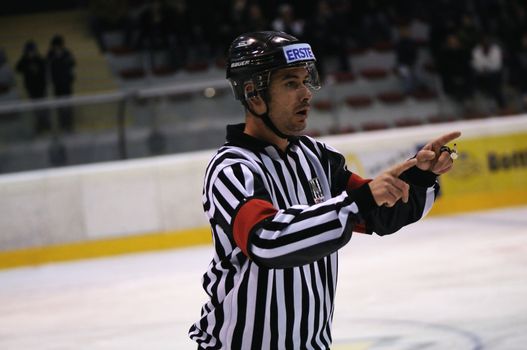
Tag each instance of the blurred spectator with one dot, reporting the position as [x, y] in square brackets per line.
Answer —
[468, 32]
[287, 22]
[328, 38]
[406, 51]
[132, 24]
[375, 25]
[518, 69]
[487, 65]
[33, 68]
[440, 28]
[200, 18]
[255, 20]
[7, 76]
[155, 25]
[219, 28]
[107, 15]
[181, 41]
[454, 69]
[513, 24]
[61, 63]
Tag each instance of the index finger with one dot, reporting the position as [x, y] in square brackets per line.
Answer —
[398, 169]
[446, 138]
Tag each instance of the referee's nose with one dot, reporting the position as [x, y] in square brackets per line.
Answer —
[306, 93]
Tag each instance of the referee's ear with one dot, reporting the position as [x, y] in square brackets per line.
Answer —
[253, 99]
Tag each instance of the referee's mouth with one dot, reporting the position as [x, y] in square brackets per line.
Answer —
[302, 112]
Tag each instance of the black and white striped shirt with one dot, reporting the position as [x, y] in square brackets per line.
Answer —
[278, 219]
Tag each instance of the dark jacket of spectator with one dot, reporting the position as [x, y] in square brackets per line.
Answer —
[61, 63]
[454, 69]
[33, 68]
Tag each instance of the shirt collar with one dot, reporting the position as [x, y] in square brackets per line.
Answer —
[236, 137]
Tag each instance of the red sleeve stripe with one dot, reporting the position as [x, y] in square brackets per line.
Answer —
[360, 228]
[251, 213]
[355, 181]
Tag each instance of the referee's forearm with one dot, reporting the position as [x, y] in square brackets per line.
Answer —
[304, 234]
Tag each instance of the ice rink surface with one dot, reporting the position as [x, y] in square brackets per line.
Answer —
[456, 282]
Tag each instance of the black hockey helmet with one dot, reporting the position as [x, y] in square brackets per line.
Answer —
[254, 56]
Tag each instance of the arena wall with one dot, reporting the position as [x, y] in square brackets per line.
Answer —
[155, 203]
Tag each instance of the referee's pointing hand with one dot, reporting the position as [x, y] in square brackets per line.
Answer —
[387, 188]
[432, 159]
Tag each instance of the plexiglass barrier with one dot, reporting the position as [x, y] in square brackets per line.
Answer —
[114, 126]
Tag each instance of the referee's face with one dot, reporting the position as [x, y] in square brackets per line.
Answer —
[289, 100]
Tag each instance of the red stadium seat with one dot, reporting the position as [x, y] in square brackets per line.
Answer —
[221, 63]
[323, 105]
[383, 46]
[357, 50]
[132, 73]
[374, 73]
[359, 101]
[163, 70]
[508, 111]
[121, 50]
[474, 115]
[424, 95]
[374, 125]
[391, 97]
[342, 130]
[344, 77]
[403, 122]
[196, 67]
[439, 118]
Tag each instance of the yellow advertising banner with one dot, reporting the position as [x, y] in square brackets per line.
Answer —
[490, 172]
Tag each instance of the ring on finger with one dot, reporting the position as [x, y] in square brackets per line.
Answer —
[451, 151]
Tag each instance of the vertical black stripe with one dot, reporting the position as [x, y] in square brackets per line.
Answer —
[237, 336]
[219, 319]
[315, 308]
[289, 297]
[305, 308]
[323, 279]
[214, 287]
[304, 181]
[219, 217]
[238, 173]
[220, 249]
[259, 312]
[310, 144]
[291, 175]
[273, 316]
[216, 161]
[229, 275]
[276, 193]
[280, 176]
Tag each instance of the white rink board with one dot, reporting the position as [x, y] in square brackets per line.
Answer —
[164, 193]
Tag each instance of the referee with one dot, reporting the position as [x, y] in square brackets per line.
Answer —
[280, 205]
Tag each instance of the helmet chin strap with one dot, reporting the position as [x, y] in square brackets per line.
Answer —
[267, 119]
